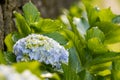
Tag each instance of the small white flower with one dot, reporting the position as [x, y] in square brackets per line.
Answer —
[41, 48]
[29, 76]
[9, 73]
[47, 75]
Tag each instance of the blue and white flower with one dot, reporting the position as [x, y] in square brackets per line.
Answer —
[41, 48]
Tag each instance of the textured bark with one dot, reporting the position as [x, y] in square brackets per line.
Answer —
[48, 8]
[8, 8]
[1, 29]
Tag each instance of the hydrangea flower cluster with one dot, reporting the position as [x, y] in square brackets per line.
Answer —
[41, 48]
[9, 73]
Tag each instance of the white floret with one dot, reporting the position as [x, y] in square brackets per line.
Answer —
[9, 73]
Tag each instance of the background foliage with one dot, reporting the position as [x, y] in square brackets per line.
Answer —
[90, 34]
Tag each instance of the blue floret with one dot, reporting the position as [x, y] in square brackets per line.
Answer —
[41, 48]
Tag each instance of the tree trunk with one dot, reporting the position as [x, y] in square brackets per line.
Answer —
[48, 8]
[1, 29]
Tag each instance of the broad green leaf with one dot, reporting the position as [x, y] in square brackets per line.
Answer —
[112, 35]
[102, 58]
[116, 19]
[74, 66]
[116, 65]
[79, 43]
[92, 13]
[115, 75]
[105, 72]
[108, 77]
[47, 26]
[81, 25]
[69, 74]
[116, 70]
[111, 31]
[115, 47]
[9, 42]
[21, 24]
[96, 15]
[78, 25]
[10, 57]
[95, 32]
[101, 69]
[96, 46]
[72, 36]
[32, 66]
[95, 38]
[31, 13]
[106, 15]
[58, 37]
[85, 75]
[74, 61]
[113, 39]
[16, 36]
[69, 44]
[107, 27]
[2, 58]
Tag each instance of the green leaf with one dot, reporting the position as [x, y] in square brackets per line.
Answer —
[58, 37]
[69, 74]
[2, 58]
[107, 27]
[108, 77]
[9, 42]
[47, 26]
[111, 31]
[116, 65]
[32, 66]
[92, 13]
[112, 35]
[22, 26]
[106, 15]
[73, 67]
[95, 38]
[116, 19]
[77, 42]
[96, 15]
[31, 13]
[101, 68]
[102, 58]
[115, 75]
[116, 70]
[10, 57]
[74, 61]
[16, 36]
[82, 25]
[95, 32]
[85, 75]
[114, 47]
[104, 72]
[96, 46]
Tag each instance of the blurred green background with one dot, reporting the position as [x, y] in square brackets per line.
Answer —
[113, 4]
